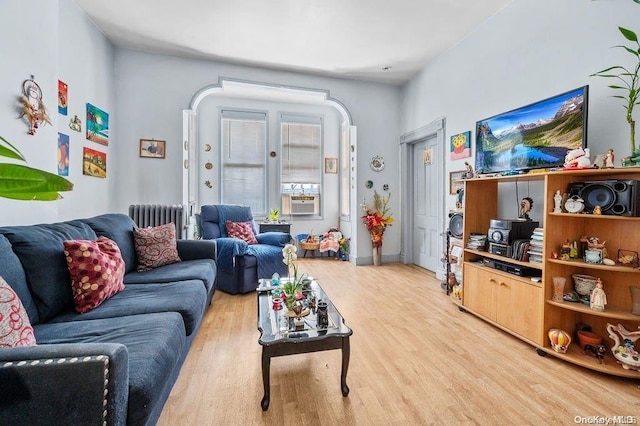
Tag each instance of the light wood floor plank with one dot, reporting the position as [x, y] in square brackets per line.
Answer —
[415, 359]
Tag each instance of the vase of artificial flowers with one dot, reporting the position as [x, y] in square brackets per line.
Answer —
[377, 218]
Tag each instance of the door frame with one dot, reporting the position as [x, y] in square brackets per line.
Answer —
[407, 141]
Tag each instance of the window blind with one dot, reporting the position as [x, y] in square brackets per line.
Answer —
[243, 159]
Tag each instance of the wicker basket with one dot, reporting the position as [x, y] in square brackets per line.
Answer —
[307, 245]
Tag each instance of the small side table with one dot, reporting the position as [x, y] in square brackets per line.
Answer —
[274, 227]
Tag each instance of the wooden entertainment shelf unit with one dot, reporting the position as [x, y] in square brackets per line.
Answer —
[525, 308]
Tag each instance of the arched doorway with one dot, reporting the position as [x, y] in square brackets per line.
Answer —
[276, 93]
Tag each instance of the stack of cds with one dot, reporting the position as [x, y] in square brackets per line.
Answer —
[477, 241]
[535, 246]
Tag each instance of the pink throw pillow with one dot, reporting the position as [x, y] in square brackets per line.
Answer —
[241, 230]
[15, 327]
[156, 246]
[96, 269]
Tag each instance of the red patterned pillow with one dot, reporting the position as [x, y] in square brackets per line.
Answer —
[15, 328]
[96, 269]
[241, 230]
[156, 246]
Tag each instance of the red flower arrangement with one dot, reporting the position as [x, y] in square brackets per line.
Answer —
[377, 218]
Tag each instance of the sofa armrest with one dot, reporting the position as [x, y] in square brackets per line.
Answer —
[75, 383]
[196, 249]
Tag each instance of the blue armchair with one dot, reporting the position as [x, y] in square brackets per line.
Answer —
[240, 264]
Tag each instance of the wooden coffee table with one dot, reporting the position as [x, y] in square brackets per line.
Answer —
[308, 338]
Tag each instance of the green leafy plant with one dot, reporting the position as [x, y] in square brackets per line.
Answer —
[629, 80]
[20, 182]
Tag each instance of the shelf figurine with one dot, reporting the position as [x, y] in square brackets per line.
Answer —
[598, 297]
[608, 160]
[469, 173]
[557, 202]
[525, 207]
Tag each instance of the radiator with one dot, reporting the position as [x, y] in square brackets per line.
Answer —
[145, 215]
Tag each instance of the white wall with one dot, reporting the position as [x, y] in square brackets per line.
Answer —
[152, 91]
[53, 39]
[527, 52]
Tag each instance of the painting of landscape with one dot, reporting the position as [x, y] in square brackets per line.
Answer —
[534, 136]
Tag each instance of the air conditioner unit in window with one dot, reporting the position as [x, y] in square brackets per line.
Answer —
[305, 204]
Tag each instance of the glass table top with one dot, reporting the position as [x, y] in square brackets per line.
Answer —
[275, 326]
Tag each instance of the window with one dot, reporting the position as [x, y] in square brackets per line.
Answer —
[243, 159]
[301, 159]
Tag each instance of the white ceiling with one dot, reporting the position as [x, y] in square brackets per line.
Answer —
[340, 38]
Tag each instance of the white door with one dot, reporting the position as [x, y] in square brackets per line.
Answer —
[427, 200]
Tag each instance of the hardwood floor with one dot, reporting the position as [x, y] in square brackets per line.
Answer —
[415, 359]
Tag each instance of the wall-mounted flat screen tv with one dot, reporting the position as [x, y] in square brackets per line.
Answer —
[533, 136]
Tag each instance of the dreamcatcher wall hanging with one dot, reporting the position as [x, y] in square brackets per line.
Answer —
[33, 110]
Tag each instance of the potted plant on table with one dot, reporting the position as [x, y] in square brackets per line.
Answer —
[628, 83]
[292, 287]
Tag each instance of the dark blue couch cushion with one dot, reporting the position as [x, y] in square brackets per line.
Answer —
[185, 297]
[41, 252]
[155, 343]
[119, 228]
[201, 269]
[12, 272]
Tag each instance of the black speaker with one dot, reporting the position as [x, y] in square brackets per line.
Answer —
[455, 224]
[615, 197]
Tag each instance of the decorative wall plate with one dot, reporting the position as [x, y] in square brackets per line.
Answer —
[369, 184]
[377, 163]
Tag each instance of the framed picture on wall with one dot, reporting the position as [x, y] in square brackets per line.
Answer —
[151, 148]
[456, 181]
[331, 165]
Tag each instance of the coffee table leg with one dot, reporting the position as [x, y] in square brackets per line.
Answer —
[346, 351]
[266, 366]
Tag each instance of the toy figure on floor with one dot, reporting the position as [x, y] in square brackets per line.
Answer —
[525, 207]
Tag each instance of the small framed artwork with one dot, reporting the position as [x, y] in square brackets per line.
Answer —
[151, 148]
[94, 163]
[461, 146]
[331, 165]
[456, 181]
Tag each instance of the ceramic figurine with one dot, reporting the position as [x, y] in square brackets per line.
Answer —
[624, 350]
[577, 159]
[469, 173]
[608, 161]
[525, 207]
[597, 210]
[598, 297]
[557, 202]
[560, 340]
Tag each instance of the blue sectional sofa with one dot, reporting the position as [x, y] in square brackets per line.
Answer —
[115, 364]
